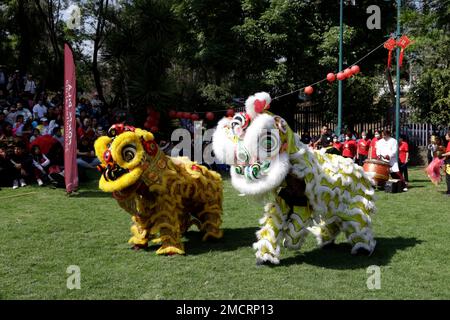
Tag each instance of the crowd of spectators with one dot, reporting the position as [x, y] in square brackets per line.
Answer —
[359, 147]
[32, 131]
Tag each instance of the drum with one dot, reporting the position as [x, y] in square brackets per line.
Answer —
[380, 169]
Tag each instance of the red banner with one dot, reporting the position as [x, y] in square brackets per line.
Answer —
[70, 136]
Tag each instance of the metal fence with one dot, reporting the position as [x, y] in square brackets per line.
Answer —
[307, 119]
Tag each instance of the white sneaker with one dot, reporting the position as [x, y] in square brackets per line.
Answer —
[405, 189]
[22, 183]
[15, 184]
[40, 183]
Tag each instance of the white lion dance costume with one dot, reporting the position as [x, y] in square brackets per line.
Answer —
[306, 191]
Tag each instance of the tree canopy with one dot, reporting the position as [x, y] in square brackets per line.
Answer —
[200, 54]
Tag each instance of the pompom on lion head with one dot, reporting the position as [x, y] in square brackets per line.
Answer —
[124, 155]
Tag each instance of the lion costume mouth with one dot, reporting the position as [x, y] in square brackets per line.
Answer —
[123, 155]
[112, 173]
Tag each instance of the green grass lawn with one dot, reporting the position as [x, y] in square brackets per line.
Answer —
[43, 233]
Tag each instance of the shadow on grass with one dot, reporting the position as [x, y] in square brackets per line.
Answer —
[92, 194]
[233, 239]
[339, 257]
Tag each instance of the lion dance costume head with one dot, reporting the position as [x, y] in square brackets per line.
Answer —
[164, 195]
[307, 191]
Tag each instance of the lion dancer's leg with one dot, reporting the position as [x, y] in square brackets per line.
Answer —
[140, 233]
[326, 231]
[210, 221]
[358, 231]
[166, 222]
[297, 227]
[270, 235]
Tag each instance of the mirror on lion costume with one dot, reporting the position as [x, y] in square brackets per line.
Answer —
[164, 195]
[307, 191]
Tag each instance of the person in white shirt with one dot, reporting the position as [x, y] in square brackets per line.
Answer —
[30, 85]
[387, 150]
[24, 112]
[39, 110]
[11, 115]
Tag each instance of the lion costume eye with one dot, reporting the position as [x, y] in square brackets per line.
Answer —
[269, 143]
[128, 152]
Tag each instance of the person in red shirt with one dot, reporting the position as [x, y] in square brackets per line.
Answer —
[403, 157]
[337, 145]
[349, 147]
[447, 162]
[373, 145]
[363, 149]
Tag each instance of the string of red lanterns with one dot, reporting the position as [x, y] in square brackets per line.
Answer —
[209, 115]
[342, 75]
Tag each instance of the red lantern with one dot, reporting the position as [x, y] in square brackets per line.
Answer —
[348, 73]
[154, 129]
[172, 114]
[195, 117]
[355, 69]
[331, 77]
[309, 90]
[210, 116]
[340, 76]
[186, 115]
[230, 112]
[179, 114]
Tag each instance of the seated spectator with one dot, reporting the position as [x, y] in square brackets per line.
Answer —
[20, 110]
[11, 115]
[39, 110]
[44, 127]
[6, 168]
[86, 155]
[36, 134]
[18, 126]
[57, 134]
[7, 131]
[40, 163]
[2, 122]
[23, 164]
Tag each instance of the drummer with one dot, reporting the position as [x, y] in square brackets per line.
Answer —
[387, 149]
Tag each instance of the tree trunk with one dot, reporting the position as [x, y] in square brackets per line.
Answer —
[97, 44]
[25, 50]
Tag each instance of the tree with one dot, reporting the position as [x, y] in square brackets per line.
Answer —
[139, 48]
[429, 57]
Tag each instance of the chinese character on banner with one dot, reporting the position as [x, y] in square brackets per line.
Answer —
[390, 45]
[403, 43]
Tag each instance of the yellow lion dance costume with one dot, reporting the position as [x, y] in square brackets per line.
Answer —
[164, 195]
[305, 191]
